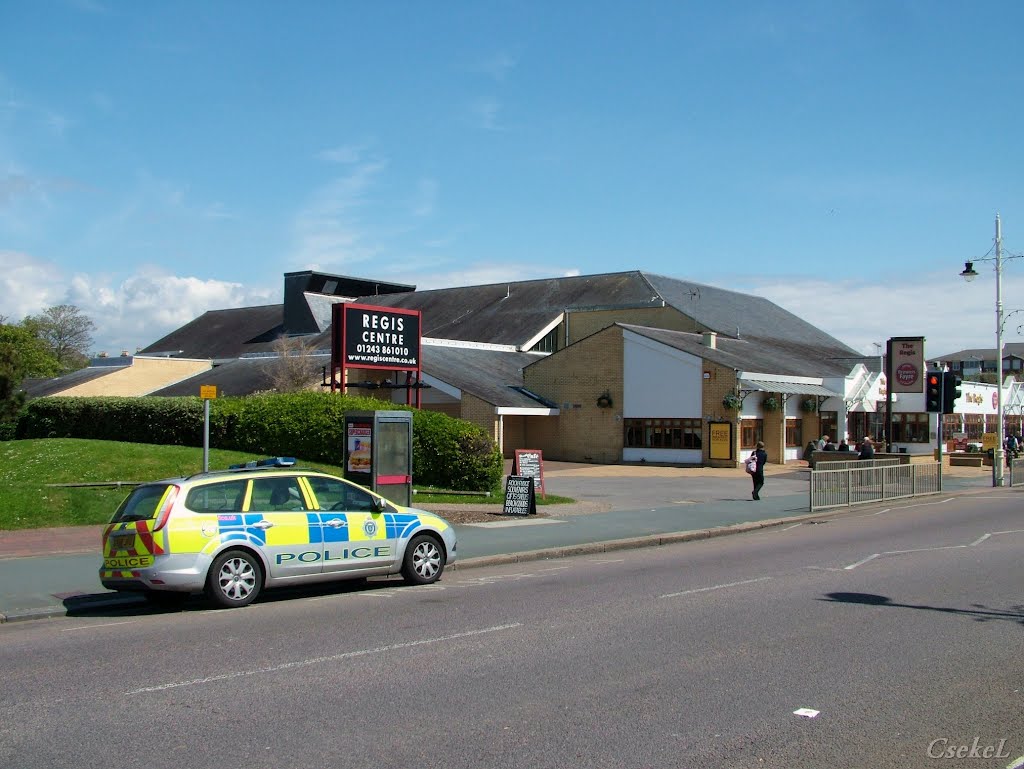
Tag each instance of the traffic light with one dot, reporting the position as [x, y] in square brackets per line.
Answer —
[950, 391]
[933, 392]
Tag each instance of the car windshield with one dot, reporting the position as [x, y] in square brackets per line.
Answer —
[141, 505]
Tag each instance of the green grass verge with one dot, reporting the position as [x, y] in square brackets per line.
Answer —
[27, 501]
[28, 467]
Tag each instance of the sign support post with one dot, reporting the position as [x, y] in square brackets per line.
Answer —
[207, 393]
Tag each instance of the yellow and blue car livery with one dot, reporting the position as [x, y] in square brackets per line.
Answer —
[288, 526]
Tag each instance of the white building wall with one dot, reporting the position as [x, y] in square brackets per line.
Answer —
[660, 382]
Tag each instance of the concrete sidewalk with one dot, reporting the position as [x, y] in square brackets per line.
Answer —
[53, 572]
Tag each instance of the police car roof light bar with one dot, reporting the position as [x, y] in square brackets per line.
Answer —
[268, 462]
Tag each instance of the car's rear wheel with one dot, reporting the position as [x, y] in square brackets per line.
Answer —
[234, 579]
[424, 560]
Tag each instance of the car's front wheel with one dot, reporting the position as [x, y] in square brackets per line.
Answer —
[424, 561]
[234, 579]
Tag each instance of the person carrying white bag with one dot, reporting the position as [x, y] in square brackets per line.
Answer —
[755, 466]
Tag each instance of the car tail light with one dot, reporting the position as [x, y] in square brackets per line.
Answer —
[164, 511]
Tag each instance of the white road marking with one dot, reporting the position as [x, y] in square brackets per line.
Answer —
[806, 712]
[715, 587]
[322, 660]
[976, 542]
[1017, 763]
[105, 624]
[861, 562]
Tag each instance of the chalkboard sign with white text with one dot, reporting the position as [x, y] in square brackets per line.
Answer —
[520, 498]
[530, 462]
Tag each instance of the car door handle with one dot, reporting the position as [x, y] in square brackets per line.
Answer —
[262, 525]
[337, 523]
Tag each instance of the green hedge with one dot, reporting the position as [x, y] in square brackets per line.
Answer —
[447, 453]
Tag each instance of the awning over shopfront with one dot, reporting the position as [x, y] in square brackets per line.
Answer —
[786, 388]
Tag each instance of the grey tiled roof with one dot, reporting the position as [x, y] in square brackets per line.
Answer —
[762, 355]
[223, 334]
[488, 374]
[512, 314]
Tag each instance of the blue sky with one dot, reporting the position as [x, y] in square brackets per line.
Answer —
[158, 159]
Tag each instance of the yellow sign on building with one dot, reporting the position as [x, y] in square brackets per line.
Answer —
[721, 440]
[988, 441]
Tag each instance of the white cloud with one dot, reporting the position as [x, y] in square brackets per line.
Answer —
[133, 312]
[327, 230]
[27, 285]
[425, 198]
[950, 313]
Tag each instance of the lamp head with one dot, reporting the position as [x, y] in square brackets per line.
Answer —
[969, 272]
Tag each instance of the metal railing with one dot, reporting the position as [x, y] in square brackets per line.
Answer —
[868, 481]
[1016, 476]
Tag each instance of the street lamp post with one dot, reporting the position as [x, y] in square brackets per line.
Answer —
[970, 274]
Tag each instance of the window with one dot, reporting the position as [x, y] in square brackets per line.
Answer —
[751, 431]
[549, 343]
[277, 494]
[217, 497]
[910, 428]
[332, 494]
[866, 423]
[829, 426]
[795, 432]
[662, 433]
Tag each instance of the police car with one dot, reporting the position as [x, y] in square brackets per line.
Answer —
[233, 533]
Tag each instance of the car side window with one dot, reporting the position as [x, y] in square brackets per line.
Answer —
[277, 494]
[224, 497]
[336, 495]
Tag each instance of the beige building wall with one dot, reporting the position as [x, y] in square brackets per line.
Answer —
[583, 323]
[718, 382]
[481, 413]
[575, 379]
[143, 376]
[513, 433]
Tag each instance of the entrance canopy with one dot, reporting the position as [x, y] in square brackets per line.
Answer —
[787, 387]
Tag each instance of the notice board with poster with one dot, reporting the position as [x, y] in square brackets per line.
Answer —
[530, 463]
[359, 452]
[520, 497]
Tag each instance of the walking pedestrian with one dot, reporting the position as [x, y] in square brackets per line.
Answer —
[760, 456]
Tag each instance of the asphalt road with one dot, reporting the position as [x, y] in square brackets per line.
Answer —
[882, 638]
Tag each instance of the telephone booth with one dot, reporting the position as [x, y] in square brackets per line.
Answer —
[378, 452]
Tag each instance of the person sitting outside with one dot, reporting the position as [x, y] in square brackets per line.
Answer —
[867, 448]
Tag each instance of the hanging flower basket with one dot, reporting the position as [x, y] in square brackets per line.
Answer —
[733, 402]
[770, 403]
[810, 405]
[604, 400]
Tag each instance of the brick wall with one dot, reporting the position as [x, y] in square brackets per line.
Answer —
[718, 382]
[574, 380]
[586, 322]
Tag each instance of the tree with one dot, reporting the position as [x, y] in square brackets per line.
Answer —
[21, 355]
[26, 354]
[296, 368]
[68, 332]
